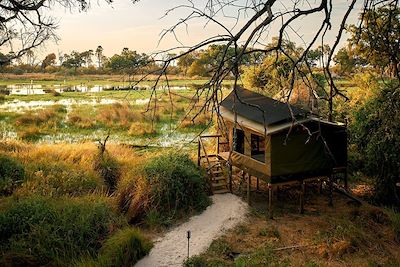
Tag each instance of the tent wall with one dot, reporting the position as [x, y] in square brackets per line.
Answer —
[244, 161]
[297, 153]
[307, 156]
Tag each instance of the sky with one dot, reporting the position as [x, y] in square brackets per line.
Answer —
[138, 26]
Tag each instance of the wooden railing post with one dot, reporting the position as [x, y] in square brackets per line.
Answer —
[198, 152]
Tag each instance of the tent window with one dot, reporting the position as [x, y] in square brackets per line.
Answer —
[258, 147]
[239, 145]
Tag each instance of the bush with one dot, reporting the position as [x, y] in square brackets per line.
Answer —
[11, 174]
[176, 183]
[53, 233]
[375, 133]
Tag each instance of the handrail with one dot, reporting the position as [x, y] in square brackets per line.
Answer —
[205, 151]
[210, 135]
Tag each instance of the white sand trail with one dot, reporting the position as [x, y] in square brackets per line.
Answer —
[171, 250]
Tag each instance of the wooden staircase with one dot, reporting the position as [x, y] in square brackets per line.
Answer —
[214, 165]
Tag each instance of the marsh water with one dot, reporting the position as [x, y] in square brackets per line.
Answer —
[167, 135]
[39, 89]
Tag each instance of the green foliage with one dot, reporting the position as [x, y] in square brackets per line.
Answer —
[375, 133]
[377, 40]
[12, 173]
[54, 232]
[176, 183]
[127, 62]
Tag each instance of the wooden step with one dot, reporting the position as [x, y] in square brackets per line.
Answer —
[221, 191]
[218, 184]
[219, 178]
[217, 171]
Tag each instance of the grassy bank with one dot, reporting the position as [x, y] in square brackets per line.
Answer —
[79, 205]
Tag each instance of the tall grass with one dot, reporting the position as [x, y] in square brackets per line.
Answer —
[121, 115]
[12, 174]
[395, 221]
[125, 248]
[175, 183]
[59, 179]
[53, 232]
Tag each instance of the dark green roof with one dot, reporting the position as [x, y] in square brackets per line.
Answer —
[260, 108]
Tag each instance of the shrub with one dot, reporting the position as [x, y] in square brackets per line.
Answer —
[55, 232]
[375, 133]
[176, 183]
[11, 174]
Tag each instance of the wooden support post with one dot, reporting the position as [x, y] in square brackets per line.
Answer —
[198, 153]
[258, 184]
[319, 186]
[270, 206]
[302, 194]
[249, 189]
[330, 181]
[230, 177]
[217, 145]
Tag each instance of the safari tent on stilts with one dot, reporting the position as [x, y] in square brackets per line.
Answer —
[275, 142]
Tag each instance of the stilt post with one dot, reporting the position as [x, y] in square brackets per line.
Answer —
[270, 206]
[302, 194]
[249, 189]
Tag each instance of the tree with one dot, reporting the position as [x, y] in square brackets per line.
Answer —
[87, 57]
[185, 62]
[375, 131]
[49, 60]
[128, 62]
[377, 41]
[99, 56]
[24, 25]
[74, 60]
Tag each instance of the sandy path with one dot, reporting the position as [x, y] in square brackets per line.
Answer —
[171, 250]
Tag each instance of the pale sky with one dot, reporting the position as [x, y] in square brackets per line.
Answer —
[138, 26]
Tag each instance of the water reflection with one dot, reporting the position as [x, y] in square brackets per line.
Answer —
[38, 89]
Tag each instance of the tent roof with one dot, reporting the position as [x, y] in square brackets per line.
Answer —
[253, 106]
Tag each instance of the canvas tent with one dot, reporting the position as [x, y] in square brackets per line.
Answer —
[276, 142]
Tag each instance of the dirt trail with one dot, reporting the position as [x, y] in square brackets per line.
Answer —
[171, 250]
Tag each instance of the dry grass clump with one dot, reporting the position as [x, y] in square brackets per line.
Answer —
[31, 133]
[81, 121]
[141, 128]
[118, 115]
[48, 116]
[202, 119]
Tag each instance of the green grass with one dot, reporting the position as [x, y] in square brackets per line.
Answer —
[54, 232]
